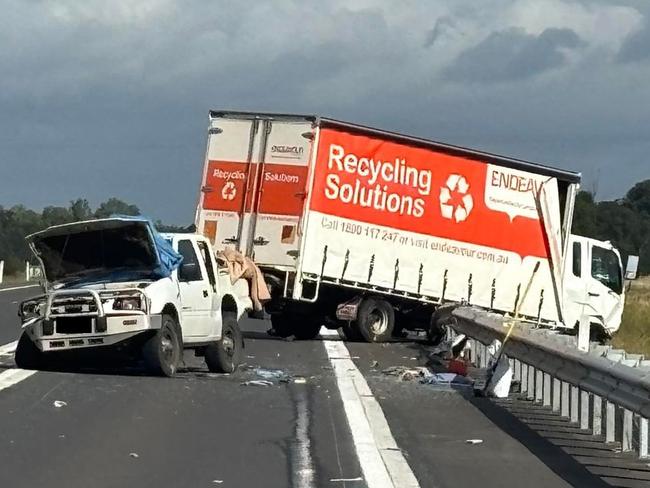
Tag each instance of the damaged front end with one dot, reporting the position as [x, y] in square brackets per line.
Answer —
[70, 319]
[96, 274]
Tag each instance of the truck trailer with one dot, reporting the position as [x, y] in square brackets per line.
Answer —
[373, 231]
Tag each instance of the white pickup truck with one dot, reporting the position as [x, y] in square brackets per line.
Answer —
[117, 283]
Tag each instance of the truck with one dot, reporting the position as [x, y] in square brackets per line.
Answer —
[116, 285]
[374, 232]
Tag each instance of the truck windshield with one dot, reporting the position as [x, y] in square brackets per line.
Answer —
[606, 268]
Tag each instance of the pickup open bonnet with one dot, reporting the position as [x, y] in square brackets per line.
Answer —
[117, 248]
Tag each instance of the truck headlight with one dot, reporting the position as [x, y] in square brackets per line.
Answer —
[128, 303]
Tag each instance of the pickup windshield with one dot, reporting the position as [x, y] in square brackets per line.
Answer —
[97, 251]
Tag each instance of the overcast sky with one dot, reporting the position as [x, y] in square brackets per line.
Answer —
[101, 99]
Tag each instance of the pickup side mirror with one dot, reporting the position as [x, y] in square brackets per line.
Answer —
[189, 272]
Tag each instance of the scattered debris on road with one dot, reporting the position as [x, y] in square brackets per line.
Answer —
[59, 404]
[134, 455]
[474, 441]
[407, 373]
[257, 383]
[217, 482]
[344, 480]
[300, 380]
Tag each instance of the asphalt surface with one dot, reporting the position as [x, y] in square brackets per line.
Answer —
[119, 428]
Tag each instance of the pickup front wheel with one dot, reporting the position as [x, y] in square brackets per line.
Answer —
[162, 352]
[225, 355]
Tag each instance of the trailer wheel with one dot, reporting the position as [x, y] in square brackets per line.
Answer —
[27, 355]
[375, 320]
[162, 352]
[224, 356]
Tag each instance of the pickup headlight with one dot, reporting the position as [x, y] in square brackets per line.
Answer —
[31, 308]
[128, 303]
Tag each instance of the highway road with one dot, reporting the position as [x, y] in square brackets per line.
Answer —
[337, 421]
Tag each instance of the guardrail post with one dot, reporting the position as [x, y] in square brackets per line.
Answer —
[575, 399]
[517, 371]
[583, 334]
[565, 400]
[2, 270]
[557, 394]
[610, 422]
[26, 270]
[643, 437]
[584, 410]
[531, 383]
[524, 379]
[628, 429]
[547, 390]
[597, 414]
[539, 385]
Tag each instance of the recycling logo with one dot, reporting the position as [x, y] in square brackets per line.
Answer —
[453, 209]
[229, 190]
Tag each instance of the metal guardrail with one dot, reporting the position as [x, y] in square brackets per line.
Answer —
[597, 393]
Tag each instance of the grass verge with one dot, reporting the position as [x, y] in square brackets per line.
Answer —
[634, 334]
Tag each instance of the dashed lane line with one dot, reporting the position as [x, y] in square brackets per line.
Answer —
[381, 460]
[8, 348]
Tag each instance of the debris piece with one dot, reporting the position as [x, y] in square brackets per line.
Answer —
[474, 441]
[257, 383]
[217, 482]
[447, 379]
[406, 373]
[275, 375]
[59, 404]
[457, 366]
[374, 364]
[300, 380]
[134, 455]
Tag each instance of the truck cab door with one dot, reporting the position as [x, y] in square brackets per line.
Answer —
[195, 291]
[605, 292]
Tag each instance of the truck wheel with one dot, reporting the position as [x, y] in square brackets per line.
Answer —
[27, 355]
[162, 352]
[375, 320]
[351, 331]
[283, 325]
[307, 328]
[225, 355]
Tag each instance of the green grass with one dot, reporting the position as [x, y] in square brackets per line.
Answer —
[634, 334]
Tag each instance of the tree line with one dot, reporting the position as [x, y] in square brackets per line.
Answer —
[625, 222]
[18, 221]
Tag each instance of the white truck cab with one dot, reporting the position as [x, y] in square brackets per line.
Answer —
[593, 285]
[118, 283]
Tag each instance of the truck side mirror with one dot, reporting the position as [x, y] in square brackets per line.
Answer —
[632, 267]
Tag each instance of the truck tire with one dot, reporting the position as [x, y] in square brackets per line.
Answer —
[307, 328]
[27, 355]
[282, 325]
[224, 356]
[351, 331]
[162, 353]
[375, 320]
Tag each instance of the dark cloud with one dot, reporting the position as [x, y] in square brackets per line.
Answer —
[101, 99]
[636, 46]
[512, 55]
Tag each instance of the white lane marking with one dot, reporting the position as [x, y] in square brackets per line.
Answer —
[12, 376]
[8, 348]
[17, 287]
[381, 460]
[303, 470]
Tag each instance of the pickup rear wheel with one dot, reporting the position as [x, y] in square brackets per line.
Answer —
[27, 355]
[224, 356]
[162, 352]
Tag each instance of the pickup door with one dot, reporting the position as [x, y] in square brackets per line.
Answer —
[197, 288]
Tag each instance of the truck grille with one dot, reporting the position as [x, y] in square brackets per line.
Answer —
[73, 304]
[74, 325]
